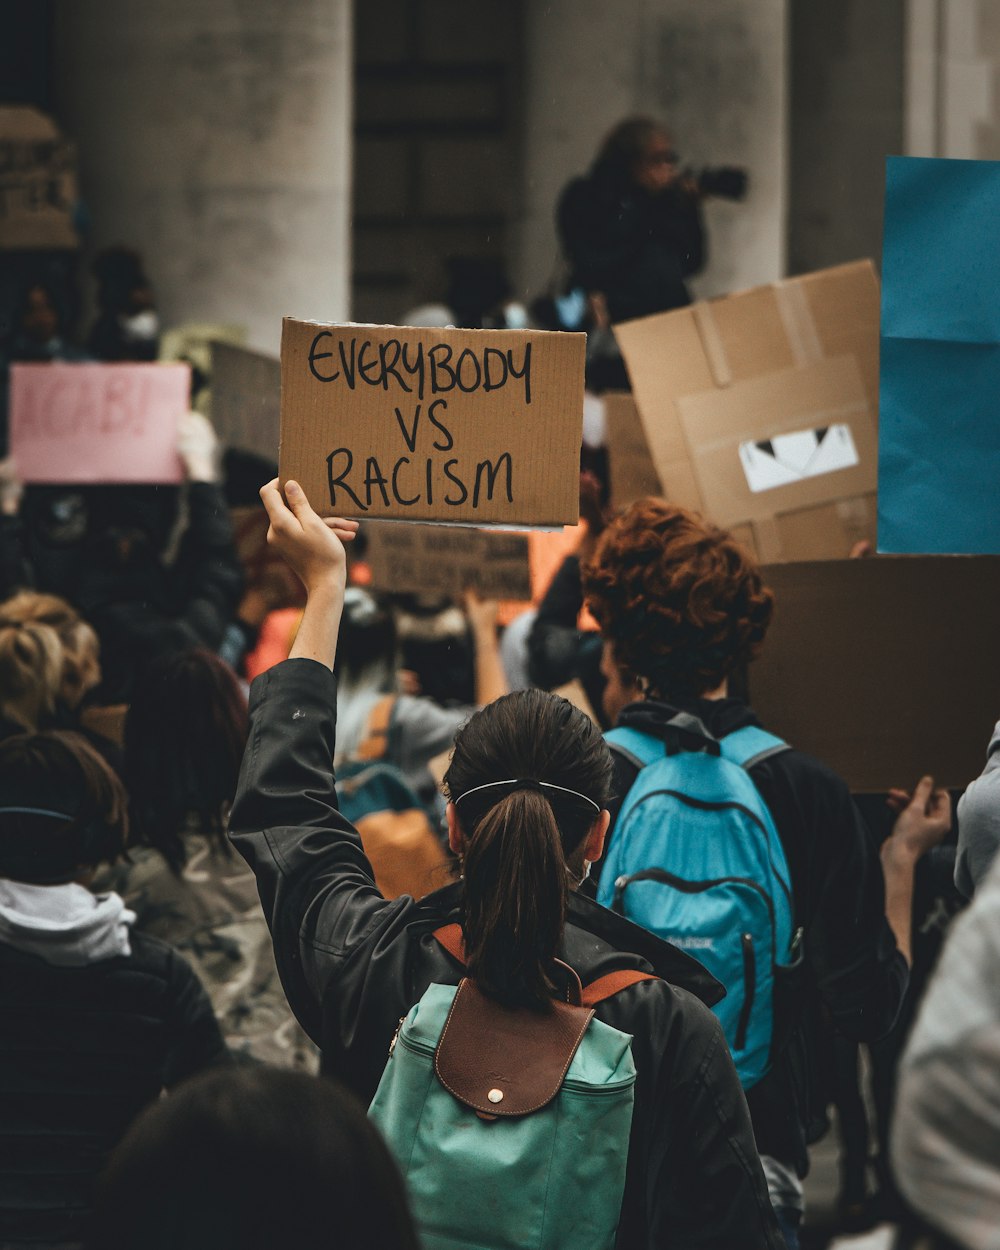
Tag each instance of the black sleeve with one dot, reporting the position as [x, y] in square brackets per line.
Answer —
[680, 226]
[315, 883]
[596, 233]
[194, 1041]
[558, 652]
[209, 578]
[839, 894]
[15, 570]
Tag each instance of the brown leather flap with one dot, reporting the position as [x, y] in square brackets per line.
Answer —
[503, 1061]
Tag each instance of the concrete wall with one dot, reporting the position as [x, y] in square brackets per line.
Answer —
[215, 138]
[715, 73]
[953, 79]
[846, 115]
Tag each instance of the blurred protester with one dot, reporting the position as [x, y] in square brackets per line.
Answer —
[97, 1019]
[681, 607]
[81, 665]
[184, 737]
[41, 330]
[946, 1129]
[632, 227]
[979, 823]
[405, 730]
[529, 783]
[253, 1159]
[31, 666]
[141, 605]
[127, 325]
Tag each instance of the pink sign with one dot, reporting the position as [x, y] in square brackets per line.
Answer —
[97, 423]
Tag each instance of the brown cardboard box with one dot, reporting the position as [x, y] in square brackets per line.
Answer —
[246, 399]
[630, 466]
[760, 409]
[447, 559]
[37, 182]
[886, 668]
[475, 426]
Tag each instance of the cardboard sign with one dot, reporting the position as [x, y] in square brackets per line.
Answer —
[447, 560]
[630, 466]
[246, 399]
[97, 423]
[886, 668]
[473, 426]
[37, 182]
[760, 409]
[939, 438]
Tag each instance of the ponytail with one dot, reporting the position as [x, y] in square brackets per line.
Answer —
[31, 660]
[515, 900]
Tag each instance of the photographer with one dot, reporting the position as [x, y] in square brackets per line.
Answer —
[632, 228]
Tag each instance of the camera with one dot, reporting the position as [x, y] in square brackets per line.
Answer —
[726, 182]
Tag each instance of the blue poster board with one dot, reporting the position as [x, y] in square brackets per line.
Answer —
[939, 391]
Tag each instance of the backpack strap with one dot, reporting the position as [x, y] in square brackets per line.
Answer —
[376, 740]
[450, 937]
[633, 745]
[750, 746]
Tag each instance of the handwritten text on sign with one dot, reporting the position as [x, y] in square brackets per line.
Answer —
[97, 423]
[450, 425]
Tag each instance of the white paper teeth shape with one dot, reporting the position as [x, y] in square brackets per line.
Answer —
[794, 457]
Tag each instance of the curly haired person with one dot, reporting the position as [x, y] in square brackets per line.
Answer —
[683, 608]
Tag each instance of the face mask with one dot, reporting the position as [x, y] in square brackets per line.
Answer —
[140, 327]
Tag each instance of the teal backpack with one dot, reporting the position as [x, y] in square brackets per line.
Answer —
[511, 1127]
[696, 859]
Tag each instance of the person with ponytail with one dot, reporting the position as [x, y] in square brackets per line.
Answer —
[31, 667]
[528, 788]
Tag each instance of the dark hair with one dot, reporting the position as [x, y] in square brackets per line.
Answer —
[682, 602]
[185, 732]
[522, 843]
[367, 641]
[57, 775]
[624, 147]
[252, 1159]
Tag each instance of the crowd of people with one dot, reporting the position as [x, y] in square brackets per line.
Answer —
[272, 859]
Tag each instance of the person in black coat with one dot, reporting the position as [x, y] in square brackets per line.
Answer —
[352, 963]
[97, 1020]
[632, 227]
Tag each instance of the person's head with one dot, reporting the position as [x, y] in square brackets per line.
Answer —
[185, 732]
[31, 667]
[251, 1159]
[528, 785]
[38, 317]
[638, 152]
[681, 604]
[63, 810]
[81, 667]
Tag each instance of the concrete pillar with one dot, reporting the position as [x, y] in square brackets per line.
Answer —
[215, 138]
[715, 73]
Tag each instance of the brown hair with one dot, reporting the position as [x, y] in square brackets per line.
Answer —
[81, 650]
[682, 602]
[82, 809]
[31, 658]
[625, 146]
[523, 842]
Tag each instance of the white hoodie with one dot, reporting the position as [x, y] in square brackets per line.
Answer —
[63, 924]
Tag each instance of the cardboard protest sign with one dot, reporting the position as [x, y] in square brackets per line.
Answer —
[37, 182]
[864, 670]
[447, 560]
[473, 426]
[939, 438]
[630, 466]
[246, 399]
[97, 423]
[760, 409]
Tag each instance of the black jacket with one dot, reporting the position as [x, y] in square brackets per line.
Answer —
[82, 1051]
[855, 975]
[634, 247]
[352, 964]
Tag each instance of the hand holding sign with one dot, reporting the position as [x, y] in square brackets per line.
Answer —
[312, 546]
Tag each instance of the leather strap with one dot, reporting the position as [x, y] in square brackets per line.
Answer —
[376, 740]
[450, 937]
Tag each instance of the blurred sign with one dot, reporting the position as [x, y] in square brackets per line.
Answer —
[37, 182]
[448, 559]
[246, 399]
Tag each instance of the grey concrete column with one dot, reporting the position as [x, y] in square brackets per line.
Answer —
[216, 138]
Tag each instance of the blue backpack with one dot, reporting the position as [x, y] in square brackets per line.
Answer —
[486, 1110]
[696, 859]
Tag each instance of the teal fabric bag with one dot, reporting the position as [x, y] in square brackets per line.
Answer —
[547, 1180]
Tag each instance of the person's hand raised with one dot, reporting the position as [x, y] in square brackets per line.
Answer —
[313, 546]
[924, 818]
